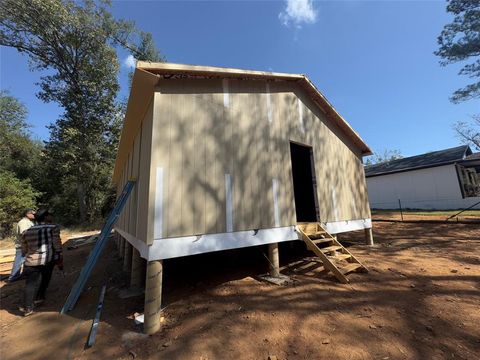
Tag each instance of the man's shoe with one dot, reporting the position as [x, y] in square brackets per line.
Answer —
[26, 311]
[39, 302]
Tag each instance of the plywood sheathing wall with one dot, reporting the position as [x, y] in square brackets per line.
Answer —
[200, 135]
[136, 217]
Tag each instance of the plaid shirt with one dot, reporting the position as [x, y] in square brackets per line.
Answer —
[41, 244]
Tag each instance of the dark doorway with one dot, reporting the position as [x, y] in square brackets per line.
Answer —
[303, 182]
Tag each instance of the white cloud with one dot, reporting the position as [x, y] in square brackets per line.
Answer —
[297, 12]
[130, 61]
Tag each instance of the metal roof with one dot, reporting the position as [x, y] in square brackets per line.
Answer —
[431, 159]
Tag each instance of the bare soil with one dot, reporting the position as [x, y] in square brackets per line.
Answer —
[420, 300]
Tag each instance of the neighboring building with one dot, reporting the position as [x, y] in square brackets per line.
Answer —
[445, 179]
[228, 158]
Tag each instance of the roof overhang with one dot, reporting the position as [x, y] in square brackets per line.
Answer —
[147, 75]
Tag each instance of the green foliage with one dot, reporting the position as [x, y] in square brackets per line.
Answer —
[73, 45]
[15, 196]
[387, 156]
[146, 49]
[460, 41]
[74, 42]
[20, 159]
[18, 152]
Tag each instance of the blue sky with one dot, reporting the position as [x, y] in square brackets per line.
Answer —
[373, 60]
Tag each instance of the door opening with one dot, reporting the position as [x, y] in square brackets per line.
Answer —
[304, 186]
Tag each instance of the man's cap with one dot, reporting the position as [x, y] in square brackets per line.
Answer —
[42, 213]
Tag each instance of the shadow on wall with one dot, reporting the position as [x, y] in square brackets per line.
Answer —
[246, 134]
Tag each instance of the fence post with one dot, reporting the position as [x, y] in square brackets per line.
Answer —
[401, 211]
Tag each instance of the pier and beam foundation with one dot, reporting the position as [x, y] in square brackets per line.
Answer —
[153, 297]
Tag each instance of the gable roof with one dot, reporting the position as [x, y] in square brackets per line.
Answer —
[147, 75]
[474, 156]
[431, 159]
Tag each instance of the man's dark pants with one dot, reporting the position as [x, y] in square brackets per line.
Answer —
[38, 278]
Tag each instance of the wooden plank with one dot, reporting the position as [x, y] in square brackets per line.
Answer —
[326, 262]
[203, 70]
[238, 154]
[321, 241]
[242, 102]
[330, 249]
[308, 267]
[212, 178]
[350, 268]
[352, 259]
[144, 184]
[174, 102]
[340, 257]
[7, 252]
[199, 179]
[128, 205]
[223, 149]
[257, 121]
[161, 147]
[187, 180]
[134, 195]
[7, 259]
[317, 234]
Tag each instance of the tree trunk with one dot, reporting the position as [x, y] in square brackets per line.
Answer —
[82, 203]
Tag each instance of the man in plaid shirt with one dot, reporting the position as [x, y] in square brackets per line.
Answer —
[42, 249]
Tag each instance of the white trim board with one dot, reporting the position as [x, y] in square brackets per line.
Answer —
[336, 227]
[192, 245]
[168, 248]
[138, 244]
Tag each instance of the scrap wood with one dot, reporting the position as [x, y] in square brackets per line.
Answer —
[82, 241]
[7, 255]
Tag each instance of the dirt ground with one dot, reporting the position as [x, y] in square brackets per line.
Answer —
[420, 300]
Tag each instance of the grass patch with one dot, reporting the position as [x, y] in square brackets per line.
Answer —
[473, 213]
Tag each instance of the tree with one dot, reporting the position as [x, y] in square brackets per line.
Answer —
[469, 132]
[387, 156]
[20, 157]
[75, 43]
[459, 42]
[15, 196]
[19, 153]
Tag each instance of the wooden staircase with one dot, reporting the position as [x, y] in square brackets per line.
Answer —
[332, 254]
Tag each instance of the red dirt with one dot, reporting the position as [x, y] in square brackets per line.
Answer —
[420, 300]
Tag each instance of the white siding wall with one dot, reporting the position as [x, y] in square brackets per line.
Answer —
[432, 188]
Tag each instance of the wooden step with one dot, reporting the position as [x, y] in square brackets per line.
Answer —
[317, 234]
[330, 249]
[321, 241]
[332, 255]
[308, 228]
[308, 267]
[340, 256]
[349, 268]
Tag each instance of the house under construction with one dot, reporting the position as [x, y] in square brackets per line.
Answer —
[227, 158]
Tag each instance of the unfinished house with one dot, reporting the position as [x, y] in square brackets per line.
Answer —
[227, 158]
